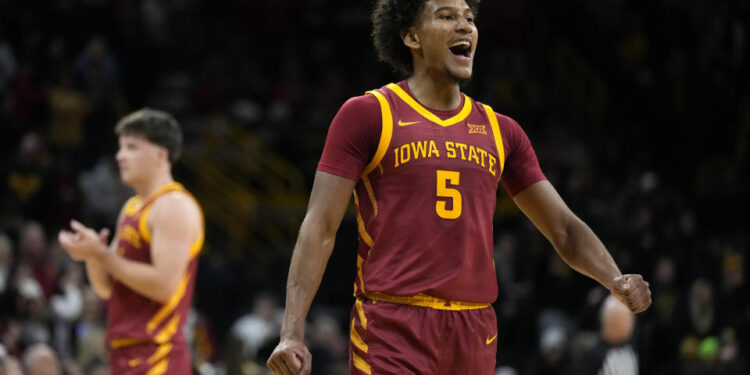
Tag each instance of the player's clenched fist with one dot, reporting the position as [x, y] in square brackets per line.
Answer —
[290, 357]
[633, 291]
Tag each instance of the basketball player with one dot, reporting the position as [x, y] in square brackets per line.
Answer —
[424, 162]
[148, 271]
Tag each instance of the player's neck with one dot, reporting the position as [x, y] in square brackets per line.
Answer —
[435, 91]
[152, 185]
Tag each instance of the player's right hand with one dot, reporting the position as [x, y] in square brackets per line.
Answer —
[290, 357]
[83, 242]
[633, 292]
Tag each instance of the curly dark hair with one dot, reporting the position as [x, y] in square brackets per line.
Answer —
[390, 19]
[158, 127]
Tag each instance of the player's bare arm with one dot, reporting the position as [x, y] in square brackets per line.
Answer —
[579, 246]
[328, 202]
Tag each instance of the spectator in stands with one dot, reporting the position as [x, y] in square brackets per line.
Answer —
[37, 255]
[9, 365]
[258, 326]
[24, 183]
[89, 332]
[40, 359]
[66, 306]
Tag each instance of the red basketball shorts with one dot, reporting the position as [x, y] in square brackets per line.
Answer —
[388, 337]
[170, 359]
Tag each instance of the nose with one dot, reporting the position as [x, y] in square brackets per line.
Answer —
[119, 155]
[464, 25]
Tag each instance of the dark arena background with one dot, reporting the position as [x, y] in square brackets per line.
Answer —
[639, 112]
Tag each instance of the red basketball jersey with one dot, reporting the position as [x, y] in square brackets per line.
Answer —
[131, 317]
[426, 199]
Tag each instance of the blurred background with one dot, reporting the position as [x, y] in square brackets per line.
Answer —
[638, 110]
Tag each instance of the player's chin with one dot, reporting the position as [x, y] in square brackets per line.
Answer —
[126, 178]
[460, 74]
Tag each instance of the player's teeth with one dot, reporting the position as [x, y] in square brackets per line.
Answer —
[461, 43]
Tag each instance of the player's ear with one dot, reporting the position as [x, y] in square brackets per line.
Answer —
[411, 38]
[163, 154]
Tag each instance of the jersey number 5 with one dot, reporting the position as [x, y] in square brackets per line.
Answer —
[444, 178]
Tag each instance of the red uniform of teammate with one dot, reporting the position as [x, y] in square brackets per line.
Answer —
[143, 333]
[148, 271]
[425, 184]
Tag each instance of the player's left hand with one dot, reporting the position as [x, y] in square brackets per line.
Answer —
[83, 243]
[632, 291]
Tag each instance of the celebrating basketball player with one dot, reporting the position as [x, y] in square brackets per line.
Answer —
[424, 161]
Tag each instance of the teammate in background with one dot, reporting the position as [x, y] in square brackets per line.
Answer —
[148, 271]
[424, 162]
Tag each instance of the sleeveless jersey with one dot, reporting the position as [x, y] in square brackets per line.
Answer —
[131, 317]
[425, 202]
[426, 193]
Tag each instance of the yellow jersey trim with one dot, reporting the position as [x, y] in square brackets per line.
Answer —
[148, 202]
[370, 193]
[198, 244]
[385, 135]
[361, 313]
[498, 137]
[425, 300]
[168, 331]
[171, 304]
[357, 339]
[160, 368]
[162, 338]
[414, 104]
[122, 343]
[361, 224]
[130, 205]
[360, 261]
[143, 224]
[161, 352]
[366, 238]
[360, 364]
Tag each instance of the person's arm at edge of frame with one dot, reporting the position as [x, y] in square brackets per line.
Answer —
[578, 246]
[328, 202]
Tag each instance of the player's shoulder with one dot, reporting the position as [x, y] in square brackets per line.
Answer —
[176, 205]
[507, 121]
[366, 102]
[176, 198]
[359, 109]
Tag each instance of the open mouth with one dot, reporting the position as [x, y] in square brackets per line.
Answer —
[461, 48]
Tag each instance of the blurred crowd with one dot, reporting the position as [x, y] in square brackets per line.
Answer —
[639, 112]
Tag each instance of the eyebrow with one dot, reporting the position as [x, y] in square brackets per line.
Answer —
[452, 8]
